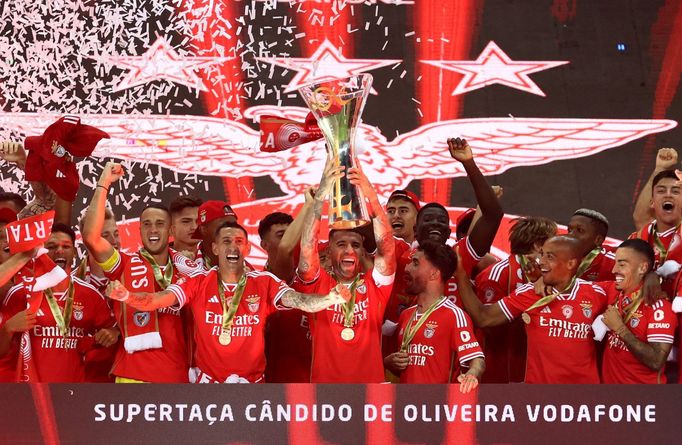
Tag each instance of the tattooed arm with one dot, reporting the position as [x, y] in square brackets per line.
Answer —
[142, 301]
[309, 262]
[313, 302]
[385, 260]
[652, 355]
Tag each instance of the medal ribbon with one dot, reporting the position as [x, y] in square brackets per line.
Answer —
[587, 261]
[63, 319]
[229, 312]
[164, 280]
[631, 308]
[412, 327]
[663, 252]
[549, 298]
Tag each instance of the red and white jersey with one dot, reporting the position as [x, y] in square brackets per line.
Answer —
[654, 323]
[245, 354]
[561, 348]
[504, 345]
[358, 360]
[400, 299]
[59, 358]
[670, 242]
[445, 336]
[169, 364]
[601, 267]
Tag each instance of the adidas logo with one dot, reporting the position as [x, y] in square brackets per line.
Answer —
[40, 313]
[546, 310]
[60, 174]
[213, 299]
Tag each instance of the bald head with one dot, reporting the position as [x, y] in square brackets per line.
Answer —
[560, 259]
[568, 244]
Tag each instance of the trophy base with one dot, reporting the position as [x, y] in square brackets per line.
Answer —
[348, 224]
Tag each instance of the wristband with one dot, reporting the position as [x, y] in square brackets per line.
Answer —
[105, 188]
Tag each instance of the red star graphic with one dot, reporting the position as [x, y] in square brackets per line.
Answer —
[162, 62]
[326, 63]
[494, 66]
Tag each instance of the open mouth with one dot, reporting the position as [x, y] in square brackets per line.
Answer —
[154, 239]
[397, 225]
[232, 258]
[61, 262]
[348, 262]
[668, 206]
[619, 279]
[434, 233]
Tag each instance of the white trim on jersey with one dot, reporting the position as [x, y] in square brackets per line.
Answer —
[660, 338]
[459, 314]
[11, 292]
[179, 294]
[471, 250]
[468, 357]
[507, 313]
[382, 280]
[497, 269]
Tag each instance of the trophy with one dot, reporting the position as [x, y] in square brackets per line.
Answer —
[337, 105]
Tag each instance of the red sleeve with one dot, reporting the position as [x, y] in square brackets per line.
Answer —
[382, 283]
[104, 317]
[662, 324]
[276, 288]
[116, 272]
[467, 255]
[487, 289]
[14, 302]
[185, 289]
[463, 340]
[521, 299]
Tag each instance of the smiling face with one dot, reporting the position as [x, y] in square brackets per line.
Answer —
[154, 230]
[402, 215]
[630, 268]
[345, 251]
[231, 247]
[433, 223]
[558, 262]
[666, 202]
[61, 250]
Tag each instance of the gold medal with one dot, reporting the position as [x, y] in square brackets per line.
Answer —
[347, 334]
[525, 317]
[225, 338]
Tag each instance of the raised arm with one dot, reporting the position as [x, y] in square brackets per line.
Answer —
[13, 265]
[385, 260]
[309, 262]
[316, 303]
[482, 315]
[142, 301]
[100, 248]
[483, 232]
[283, 265]
[666, 159]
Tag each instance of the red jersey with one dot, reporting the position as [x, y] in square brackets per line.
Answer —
[504, 345]
[601, 267]
[400, 299]
[359, 359]
[447, 334]
[170, 363]
[245, 354]
[59, 358]
[663, 243]
[561, 348]
[654, 323]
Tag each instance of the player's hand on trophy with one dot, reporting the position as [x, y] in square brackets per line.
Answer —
[112, 172]
[532, 268]
[11, 151]
[116, 291]
[666, 159]
[310, 193]
[332, 172]
[460, 149]
[357, 177]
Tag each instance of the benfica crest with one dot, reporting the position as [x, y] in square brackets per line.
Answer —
[430, 330]
[253, 302]
[634, 321]
[77, 311]
[141, 319]
[587, 309]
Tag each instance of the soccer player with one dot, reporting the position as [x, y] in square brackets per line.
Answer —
[88, 270]
[663, 233]
[184, 211]
[230, 307]
[347, 337]
[590, 228]
[153, 347]
[434, 332]
[644, 212]
[271, 229]
[68, 313]
[559, 318]
[641, 322]
[505, 345]
[433, 222]
[402, 208]
[212, 214]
